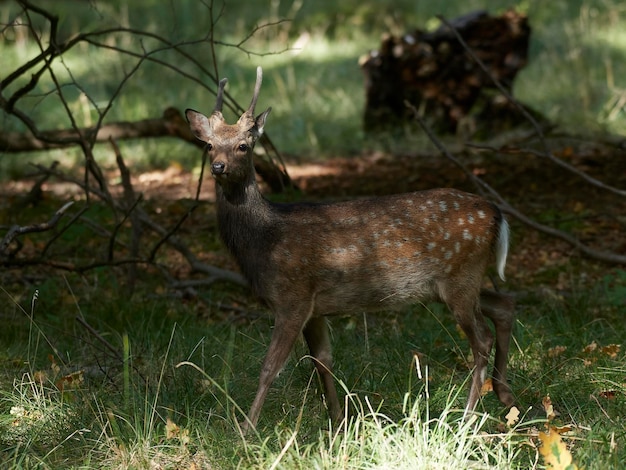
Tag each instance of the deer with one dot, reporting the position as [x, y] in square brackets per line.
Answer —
[307, 261]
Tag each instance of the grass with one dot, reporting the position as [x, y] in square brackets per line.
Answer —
[173, 394]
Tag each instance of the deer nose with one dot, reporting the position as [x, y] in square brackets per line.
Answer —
[217, 168]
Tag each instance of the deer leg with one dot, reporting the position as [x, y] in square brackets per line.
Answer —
[499, 308]
[473, 324]
[317, 338]
[286, 331]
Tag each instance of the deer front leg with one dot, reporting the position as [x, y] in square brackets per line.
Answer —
[317, 338]
[500, 309]
[286, 330]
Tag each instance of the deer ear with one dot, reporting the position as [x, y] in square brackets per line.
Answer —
[259, 123]
[199, 124]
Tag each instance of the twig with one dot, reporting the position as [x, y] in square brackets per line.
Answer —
[107, 345]
[99, 337]
[42, 227]
[71, 222]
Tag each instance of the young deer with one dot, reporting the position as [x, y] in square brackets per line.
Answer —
[310, 260]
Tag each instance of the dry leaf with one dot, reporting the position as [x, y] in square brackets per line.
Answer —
[562, 429]
[53, 364]
[71, 381]
[172, 430]
[487, 387]
[608, 394]
[590, 348]
[40, 376]
[554, 451]
[612, 350]
[556, 351]
[512, 416]
[547, 406]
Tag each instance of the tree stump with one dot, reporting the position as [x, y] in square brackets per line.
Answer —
[434, 72]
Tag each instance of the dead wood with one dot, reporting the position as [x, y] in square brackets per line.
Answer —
[433, 71]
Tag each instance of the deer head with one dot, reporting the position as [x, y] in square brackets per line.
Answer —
[230, 146]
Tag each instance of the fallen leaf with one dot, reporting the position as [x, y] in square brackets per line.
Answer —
[172, 430]
[590, 348]
[512, 416]
[487, 387]
[554, 451]
[53, 364]
[562, 429]
[40, 376]
[611, 350]
[71, 381]
[608, 394]
[547, 406]
[556, 351]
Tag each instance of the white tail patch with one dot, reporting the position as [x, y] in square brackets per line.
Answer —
[502, 248]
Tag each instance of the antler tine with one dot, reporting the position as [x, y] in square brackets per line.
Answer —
[220, 96]
[257, 89]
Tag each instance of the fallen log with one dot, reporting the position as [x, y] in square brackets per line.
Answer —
[170, 124]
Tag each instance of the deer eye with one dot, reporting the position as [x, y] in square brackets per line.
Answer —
[209, 146]
[243, 147]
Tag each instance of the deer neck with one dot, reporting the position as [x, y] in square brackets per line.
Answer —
[246, 225]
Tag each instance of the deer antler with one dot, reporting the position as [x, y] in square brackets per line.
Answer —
[220, 96]
[257, 89]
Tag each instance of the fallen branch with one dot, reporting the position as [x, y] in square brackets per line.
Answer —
[16, 230]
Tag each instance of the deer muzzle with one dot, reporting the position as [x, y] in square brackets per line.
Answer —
[217, 168]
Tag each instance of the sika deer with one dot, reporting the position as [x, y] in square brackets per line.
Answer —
[310, 260]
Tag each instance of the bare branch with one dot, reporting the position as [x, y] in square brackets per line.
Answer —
[42, 227]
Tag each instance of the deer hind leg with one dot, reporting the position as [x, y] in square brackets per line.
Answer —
[286, 330]
[500, 309]
[464, 305]
[318, 340]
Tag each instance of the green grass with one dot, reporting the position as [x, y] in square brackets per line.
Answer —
[174, 392]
